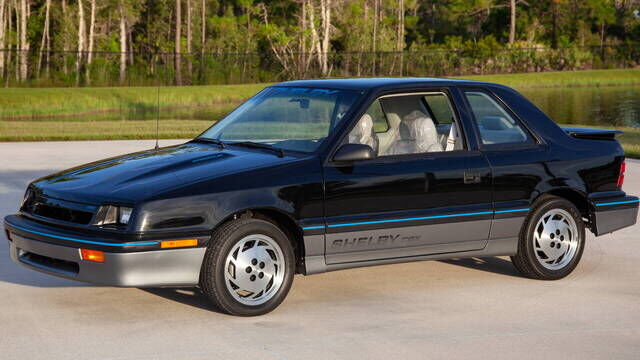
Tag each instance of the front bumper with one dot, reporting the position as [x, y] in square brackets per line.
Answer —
[611, 213]
[166, 267]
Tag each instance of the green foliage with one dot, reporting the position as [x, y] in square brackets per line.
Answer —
[258, 40]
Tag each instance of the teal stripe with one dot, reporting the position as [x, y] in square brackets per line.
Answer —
[510, 211]
[84, 241]
[414, 219]
[618, 202]
[313, 227]
[410, 219]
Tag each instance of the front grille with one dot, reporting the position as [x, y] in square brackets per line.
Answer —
[64, 214]
[58, 209]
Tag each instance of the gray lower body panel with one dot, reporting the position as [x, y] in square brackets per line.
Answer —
[175, 267]
[506, 228]
[415, 243]
[612, 220]
[497, 247]
[406, 241]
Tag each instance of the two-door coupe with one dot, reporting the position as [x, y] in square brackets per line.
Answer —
[315, 176]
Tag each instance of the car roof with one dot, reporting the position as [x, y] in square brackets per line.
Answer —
[380, 83]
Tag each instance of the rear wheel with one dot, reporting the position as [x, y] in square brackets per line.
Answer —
[248, 267]
[551, 240]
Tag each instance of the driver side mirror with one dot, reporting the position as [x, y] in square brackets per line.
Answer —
[354, 152]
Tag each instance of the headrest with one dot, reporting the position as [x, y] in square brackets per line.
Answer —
[394, 120]
[362, 131]
[415, 125]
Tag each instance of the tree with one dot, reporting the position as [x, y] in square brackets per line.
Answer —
[24, 41]
[178, 63]
[295, 38]
[65, 39]
[603, 13]
[3, 23]
[45, 37]
[321, 37]
[123, 42]
[82, 33]
[204, 26]
[512, 22]
[189, 59]
[92, 26]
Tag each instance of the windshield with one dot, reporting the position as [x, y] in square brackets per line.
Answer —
[289, 118]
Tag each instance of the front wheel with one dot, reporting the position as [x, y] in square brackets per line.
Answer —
[248, 267]
[551, 240]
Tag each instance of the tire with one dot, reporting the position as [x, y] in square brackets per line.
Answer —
[551, 240]
[248, 267]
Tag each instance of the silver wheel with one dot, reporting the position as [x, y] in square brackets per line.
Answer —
[254, 269]
[556, 239]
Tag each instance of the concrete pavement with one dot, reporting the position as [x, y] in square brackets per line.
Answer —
[472, 308]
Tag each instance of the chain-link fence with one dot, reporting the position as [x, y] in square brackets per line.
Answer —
[68, 68]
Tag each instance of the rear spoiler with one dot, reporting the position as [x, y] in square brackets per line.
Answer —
[590, 133]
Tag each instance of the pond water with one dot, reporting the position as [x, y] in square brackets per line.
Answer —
[602, 106]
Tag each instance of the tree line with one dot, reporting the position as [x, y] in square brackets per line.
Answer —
[83, 42]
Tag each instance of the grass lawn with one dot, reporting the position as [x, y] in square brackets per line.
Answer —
[38, 114]
[29, 103]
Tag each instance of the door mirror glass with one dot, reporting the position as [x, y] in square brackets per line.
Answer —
[354, 152]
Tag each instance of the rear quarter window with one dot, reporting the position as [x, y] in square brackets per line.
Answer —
[495, 124]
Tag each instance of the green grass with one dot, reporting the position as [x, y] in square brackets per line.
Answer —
[34, 103]
[29, 103]
[103, 113]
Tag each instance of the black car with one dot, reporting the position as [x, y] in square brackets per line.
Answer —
[315, 176]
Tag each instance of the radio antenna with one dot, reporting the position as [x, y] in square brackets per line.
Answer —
[158, 120]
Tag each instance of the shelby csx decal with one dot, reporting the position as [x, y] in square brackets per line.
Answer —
[373, 241]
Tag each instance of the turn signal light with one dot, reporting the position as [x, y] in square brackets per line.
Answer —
[178, 243]
[92, 255]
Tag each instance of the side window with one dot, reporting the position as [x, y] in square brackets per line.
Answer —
[380, 124]
[495, 125]
[408, 124]
[440, 108]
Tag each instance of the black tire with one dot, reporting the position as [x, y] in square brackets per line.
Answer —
[526, 261]
[212, 273]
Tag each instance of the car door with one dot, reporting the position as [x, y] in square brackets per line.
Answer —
[408, 203]
[516, 155]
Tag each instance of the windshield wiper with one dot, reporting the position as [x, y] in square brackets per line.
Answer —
[210, 141]
[257, 145]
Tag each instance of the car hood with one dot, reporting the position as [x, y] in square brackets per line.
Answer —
[129, 179]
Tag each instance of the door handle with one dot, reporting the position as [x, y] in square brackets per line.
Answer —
[472, 178]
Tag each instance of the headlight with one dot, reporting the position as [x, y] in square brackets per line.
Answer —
[113, 215]
[125, 215]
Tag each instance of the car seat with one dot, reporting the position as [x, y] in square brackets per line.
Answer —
[387, 138]
[363, 133]
[418, 134]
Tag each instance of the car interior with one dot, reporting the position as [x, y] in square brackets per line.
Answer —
[408, 124]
